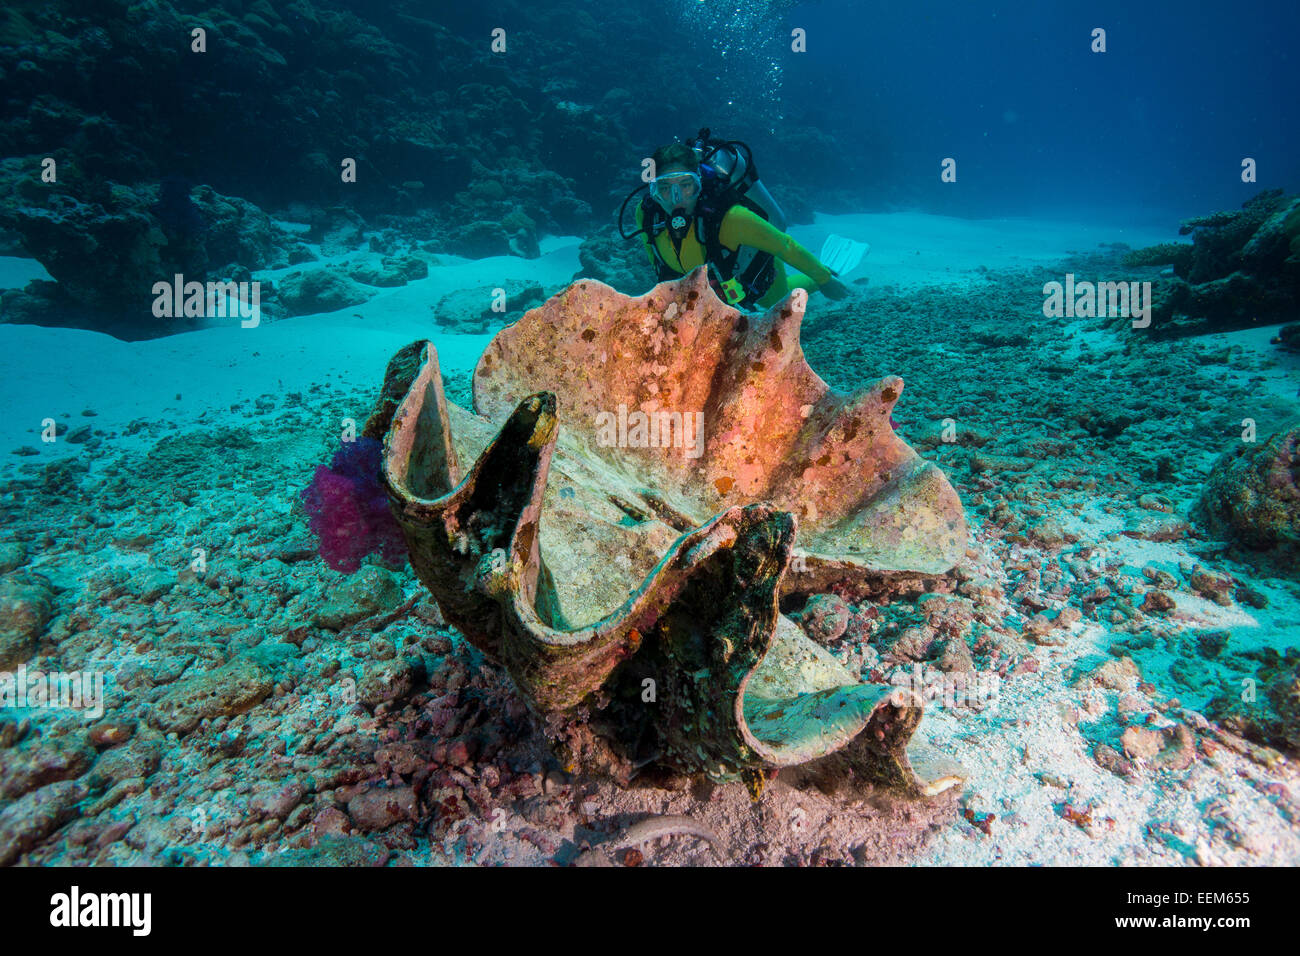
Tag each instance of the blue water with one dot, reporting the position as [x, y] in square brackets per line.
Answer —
[1040, 125]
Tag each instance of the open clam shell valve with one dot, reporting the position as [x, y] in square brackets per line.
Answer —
[632, 592]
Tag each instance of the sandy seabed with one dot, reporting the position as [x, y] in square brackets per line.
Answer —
[352, 726]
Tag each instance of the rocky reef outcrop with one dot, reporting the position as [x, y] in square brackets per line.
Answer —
[1266, 708]
[106, 244]
[479, 309]
[1240, 270]
[615, 261]
[506, 144]
[1288, 337]
[630, 580]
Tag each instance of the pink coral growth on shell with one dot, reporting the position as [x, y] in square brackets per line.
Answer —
[348, 509]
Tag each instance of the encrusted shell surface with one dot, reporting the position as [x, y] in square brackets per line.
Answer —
[632, 592]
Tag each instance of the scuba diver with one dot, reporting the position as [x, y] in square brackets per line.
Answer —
[706, 206]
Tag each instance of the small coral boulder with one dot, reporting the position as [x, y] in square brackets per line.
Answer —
[25, 607]
[1253, 495]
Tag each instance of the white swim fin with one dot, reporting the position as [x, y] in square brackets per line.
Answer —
[842, 255]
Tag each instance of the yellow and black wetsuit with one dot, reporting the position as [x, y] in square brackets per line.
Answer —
[742, 227]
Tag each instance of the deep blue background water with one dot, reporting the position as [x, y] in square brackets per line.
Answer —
[1152, 130]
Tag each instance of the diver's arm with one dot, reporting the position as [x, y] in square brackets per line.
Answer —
[645, 242]
[743, 227]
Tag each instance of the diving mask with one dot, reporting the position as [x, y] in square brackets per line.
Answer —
[674, 190]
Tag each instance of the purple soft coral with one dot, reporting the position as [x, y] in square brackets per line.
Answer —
[348, 509]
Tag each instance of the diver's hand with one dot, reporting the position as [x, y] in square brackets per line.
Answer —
[834, 289]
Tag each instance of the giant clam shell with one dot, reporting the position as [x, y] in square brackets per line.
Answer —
[631, 589]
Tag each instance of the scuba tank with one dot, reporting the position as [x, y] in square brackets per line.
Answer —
[728, 177]
[731, 162]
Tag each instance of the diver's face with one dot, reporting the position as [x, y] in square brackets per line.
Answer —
[676, 188]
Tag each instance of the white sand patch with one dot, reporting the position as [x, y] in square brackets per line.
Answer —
[1279, 371]
[1137, 553]
[1092, 523]
[1194, 611]
[920, 249]
[57, 373]
[1027, 762]
[16, 272]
